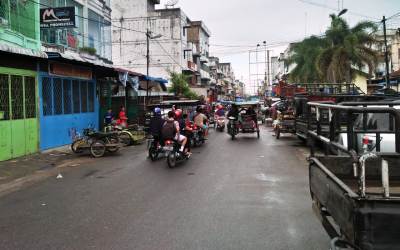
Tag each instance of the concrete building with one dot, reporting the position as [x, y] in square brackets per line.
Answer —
[19, 53]
[198, 42]
[169, 52]
[90, 39]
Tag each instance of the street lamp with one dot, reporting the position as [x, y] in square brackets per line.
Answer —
[148, 37]
[342, 12]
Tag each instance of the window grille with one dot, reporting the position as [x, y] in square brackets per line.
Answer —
[4, 98]
[30, 97]
[91, 96]
[67, 96]
[47, 96]
[57, 96]
[76, 96]
[84, 97]
[17, 98]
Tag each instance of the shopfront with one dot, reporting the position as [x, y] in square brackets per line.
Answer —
[68, 103]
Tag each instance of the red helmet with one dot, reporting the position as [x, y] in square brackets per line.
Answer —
[178, 113]
[219, 106]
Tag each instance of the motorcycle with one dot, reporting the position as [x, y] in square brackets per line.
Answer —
[233, 127]
[220, 123]
[197, 138]
[175, 156]
[156, 149]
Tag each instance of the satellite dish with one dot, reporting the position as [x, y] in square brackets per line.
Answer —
[171, 3]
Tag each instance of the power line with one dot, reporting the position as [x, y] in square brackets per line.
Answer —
[335, 9]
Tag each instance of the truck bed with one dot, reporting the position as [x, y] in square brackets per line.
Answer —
[371, 222]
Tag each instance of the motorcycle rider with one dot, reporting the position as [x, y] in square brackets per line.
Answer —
[201, 119]
[156, 124]
[171, 130]
[185, 128]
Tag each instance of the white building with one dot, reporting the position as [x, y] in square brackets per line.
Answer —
[169, 52]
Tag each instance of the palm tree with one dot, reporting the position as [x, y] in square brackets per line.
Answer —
[304, 56]
[347, 48]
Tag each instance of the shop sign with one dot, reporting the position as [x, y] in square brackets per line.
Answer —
[63, 17]
[61, 69]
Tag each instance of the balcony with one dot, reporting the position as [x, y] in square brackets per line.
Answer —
[205, 75]
[192, 66]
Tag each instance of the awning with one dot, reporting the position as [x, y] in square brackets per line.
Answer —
[22, 51]
[155, 79]
[69, 55]
[158, 80]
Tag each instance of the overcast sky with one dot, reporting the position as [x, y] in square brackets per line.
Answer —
[248, 22]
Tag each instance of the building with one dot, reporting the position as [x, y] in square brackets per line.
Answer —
[19, 53]
[68, 99]
[167, 30]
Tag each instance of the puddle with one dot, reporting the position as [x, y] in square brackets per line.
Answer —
[264, 177]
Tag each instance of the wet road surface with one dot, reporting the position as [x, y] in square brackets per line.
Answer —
[242, 194]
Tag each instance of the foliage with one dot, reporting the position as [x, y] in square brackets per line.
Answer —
[304, 55]
[335, 56]
[89, 50]
[180, 86]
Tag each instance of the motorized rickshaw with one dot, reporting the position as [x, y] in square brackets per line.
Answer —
[246, 123]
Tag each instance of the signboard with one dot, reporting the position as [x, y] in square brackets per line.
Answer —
[61, 69]
[63, 17]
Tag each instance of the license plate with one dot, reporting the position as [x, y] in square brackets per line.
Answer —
[168, 148]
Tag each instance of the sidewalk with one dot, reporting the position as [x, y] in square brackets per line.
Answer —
[32, 168]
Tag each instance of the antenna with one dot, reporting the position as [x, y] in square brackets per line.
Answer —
[171, 3]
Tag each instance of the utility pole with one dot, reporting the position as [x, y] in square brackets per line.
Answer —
[268, 69]
[257, 85]
[386, 52]
[147, 65]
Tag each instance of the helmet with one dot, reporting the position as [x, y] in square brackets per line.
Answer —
[157, 111]
[219, 106]
[178, 113]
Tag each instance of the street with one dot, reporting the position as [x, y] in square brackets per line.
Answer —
[242, 194]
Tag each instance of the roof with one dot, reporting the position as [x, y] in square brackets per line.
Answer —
[79, 58]
[22, 51]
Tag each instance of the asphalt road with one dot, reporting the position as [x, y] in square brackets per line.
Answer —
[242, 194]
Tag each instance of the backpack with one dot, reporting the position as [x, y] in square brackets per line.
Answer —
[168, 130]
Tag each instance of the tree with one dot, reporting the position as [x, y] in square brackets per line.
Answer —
[304, 55]
[180, 86]
[347, 48]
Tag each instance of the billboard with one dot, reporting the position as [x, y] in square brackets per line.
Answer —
[62, 17]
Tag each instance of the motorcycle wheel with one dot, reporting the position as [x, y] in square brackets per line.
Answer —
[97, 149]
[153, 154]
[125, 138]
[258, 134]
[233, 135]
[75, 146]
[113, 149]
[171, 159]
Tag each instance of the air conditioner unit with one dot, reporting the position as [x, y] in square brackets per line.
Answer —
[3, 21]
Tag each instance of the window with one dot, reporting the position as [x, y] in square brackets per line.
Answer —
[83, 96]
[64, 96]
[4, 98]
[47, 96]
[17, 98]
[90, 96]
[76, 96]
[30, 97]
[67, 96]
[57, 96]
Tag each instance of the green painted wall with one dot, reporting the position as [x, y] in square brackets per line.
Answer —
[19, 129]
[21, 24]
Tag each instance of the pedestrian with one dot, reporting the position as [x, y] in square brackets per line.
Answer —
[123, 119]
[108, 117]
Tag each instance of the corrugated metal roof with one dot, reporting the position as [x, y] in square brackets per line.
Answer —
[22, 51]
